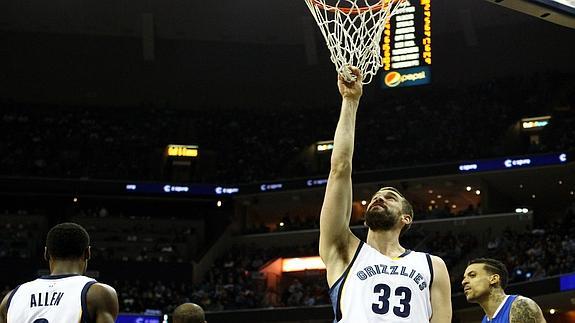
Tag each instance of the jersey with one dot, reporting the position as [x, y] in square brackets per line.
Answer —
[503, 311]
[50, 299]
[377, 288]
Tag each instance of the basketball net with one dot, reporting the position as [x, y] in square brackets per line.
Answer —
[352, 30]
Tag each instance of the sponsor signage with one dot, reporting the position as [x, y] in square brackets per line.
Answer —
[513, 162]
[407, 77]
[406, 46]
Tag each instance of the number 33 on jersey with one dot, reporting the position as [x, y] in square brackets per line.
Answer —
[376, 288]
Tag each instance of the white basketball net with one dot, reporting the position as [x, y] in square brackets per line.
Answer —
[352, 30]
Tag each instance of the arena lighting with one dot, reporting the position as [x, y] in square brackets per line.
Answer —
[552, 311]
[468, 188]
[363, 202]
[535, 123]
[322, 146]
[190, 151]
[301, 264]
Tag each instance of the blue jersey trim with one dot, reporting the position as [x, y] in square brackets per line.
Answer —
[339, 283]
[85, 315]
[58, 276]
[504, 314]
[405, 253]
[10, 297]
[430, 264]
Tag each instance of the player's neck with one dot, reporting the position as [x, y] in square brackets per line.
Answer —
[492, 302]
[386, 242]
[67, 267]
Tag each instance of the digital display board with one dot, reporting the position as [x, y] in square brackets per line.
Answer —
[513, 163]
[190, 151]
[567, 282]
[129, 318]
[406, 46]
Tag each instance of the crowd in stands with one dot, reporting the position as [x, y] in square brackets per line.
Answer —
[540, 252]
[19, 232]
[296, 223]
[422, 128]
[139, 238]
[235, 281]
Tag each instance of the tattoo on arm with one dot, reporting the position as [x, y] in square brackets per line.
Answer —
[525, 310]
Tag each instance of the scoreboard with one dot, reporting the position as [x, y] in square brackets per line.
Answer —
[406, 46]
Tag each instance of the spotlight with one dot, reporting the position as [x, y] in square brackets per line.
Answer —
[219, 204]
[363, 202]
[477, 192]
[468, 188]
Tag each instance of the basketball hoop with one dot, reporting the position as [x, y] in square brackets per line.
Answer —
[352, 30]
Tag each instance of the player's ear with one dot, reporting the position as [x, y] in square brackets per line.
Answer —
[88, 253]
[495, 279]
[407, 219]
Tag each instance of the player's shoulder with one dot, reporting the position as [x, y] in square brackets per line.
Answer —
[101, 291]
[4, 304]
[436, 261]
[524, 309]
[522, 302]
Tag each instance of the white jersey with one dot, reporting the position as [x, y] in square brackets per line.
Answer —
[377, 288]
[50, 299]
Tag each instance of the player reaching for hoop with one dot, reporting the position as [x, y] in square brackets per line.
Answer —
[377, 280]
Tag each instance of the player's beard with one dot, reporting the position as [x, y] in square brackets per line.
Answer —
[380, 220]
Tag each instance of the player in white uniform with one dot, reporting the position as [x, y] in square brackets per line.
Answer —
[65, 295]
[376, 281]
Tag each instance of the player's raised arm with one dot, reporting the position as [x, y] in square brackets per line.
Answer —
[336, 243]
[440, 292]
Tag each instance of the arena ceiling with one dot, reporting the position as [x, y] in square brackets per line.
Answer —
[257, 21]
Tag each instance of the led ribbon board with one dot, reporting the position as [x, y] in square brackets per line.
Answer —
[406, 46]
[513, 163]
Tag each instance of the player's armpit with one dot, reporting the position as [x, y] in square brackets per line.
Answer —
[440, 292]
[102, 302]
[525, 310]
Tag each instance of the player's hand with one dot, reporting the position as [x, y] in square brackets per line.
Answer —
[351, 90]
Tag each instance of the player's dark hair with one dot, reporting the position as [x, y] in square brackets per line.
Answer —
[67, 241]
[493, 266]
[189, 313]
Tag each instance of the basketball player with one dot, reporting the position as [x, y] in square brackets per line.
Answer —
[189, 313]
[484, 282]
[65, 295]
[377, 280]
